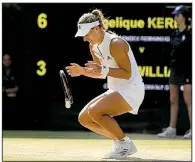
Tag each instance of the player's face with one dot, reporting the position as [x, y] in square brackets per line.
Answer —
[7, 60]
[179, 19]
[93, 36]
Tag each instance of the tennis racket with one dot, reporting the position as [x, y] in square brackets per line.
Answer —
[66, 88]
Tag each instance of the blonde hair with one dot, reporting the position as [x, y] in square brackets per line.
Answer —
[93, 16]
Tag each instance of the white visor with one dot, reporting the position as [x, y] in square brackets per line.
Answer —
[83, 29]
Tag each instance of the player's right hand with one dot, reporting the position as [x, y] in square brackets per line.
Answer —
[74, 70]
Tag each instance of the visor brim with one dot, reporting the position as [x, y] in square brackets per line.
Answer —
[82, 33]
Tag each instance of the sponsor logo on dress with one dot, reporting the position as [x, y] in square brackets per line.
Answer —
[109, 58]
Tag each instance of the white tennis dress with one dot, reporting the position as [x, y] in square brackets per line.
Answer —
[132, 90]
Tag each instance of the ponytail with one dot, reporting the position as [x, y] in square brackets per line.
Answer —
[100, 17]
[95, 15]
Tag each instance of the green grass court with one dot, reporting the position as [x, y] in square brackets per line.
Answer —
[87, 146]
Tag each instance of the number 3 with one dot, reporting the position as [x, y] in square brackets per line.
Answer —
[42, 20]
[42, 68]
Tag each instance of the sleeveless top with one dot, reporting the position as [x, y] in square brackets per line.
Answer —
[102, 51]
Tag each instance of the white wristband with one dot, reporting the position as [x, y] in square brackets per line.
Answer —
[105, 71]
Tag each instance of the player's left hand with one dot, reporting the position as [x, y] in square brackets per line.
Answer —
[92, 67]
[74, 70]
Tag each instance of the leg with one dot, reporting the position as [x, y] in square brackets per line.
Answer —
[86, 121]
[188, 100]
[174, 100]
[110, 105]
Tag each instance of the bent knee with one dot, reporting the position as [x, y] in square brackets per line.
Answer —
[84, 118]
[94, 113]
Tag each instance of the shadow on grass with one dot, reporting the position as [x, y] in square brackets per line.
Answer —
[139, 159]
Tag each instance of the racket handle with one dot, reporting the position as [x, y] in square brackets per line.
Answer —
[61, 72]
[67, 104]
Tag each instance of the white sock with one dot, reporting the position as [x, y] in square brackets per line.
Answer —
[172, 128]
[125, 139]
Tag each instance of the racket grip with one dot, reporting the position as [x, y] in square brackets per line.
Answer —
[67, 104]
[61, 72]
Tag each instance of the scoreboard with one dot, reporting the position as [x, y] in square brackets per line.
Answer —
[47, 44]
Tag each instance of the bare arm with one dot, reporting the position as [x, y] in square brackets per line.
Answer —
[77, 70]
[119, 50]
[88, 74]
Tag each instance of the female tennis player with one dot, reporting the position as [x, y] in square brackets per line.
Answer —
[112, 59]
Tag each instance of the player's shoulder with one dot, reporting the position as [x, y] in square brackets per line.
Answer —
[116, 39]
[118, 45]
[118, 42]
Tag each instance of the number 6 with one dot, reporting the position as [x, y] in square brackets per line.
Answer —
[42, 20]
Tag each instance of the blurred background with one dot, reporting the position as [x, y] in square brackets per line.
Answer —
[38, 40]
